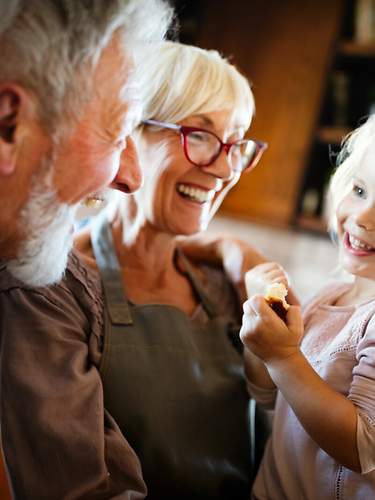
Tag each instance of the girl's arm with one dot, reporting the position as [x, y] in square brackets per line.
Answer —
[327, 416]
[256, 371]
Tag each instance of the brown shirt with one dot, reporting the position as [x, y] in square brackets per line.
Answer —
[58, 440]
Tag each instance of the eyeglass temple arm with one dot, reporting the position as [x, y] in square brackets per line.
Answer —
[172, 126]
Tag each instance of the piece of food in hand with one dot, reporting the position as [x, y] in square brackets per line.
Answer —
[275, 296]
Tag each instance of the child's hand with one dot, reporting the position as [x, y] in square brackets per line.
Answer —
[266, 335]
[262, 275]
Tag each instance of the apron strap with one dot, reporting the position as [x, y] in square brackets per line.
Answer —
[252, 414]
[197, 285]
[106, 259]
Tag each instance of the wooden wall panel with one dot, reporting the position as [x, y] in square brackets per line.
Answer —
[284, 48]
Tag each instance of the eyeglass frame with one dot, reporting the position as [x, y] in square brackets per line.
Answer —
[184, 130]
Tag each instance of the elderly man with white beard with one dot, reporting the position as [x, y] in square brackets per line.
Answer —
[68, 102]
[67, 106]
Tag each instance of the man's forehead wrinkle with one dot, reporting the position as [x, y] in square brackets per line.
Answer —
[116, 119]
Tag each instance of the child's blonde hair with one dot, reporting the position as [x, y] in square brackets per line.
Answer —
[349, 161]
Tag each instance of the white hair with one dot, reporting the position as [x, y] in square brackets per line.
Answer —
[185, 80]
[349, 160]
[42, 257]
[51, 47]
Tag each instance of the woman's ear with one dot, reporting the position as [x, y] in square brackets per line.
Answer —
[10, 101]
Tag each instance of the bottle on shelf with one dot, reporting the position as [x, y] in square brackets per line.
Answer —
[340, 98]
[364, 21]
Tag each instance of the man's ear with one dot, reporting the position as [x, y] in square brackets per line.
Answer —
[11, 97]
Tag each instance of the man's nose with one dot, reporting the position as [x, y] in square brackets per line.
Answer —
[129, 176]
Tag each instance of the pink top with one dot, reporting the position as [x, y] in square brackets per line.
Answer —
[339, 343]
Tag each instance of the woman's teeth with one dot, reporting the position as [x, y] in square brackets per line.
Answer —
[359, 245]
[194, 194]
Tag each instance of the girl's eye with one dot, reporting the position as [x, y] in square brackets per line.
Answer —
[359, 191]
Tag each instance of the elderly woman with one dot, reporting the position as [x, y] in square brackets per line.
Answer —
[168, 354]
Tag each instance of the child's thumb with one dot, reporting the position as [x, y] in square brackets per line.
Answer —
[294, 319]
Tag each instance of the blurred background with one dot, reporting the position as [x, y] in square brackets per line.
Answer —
[312, 68]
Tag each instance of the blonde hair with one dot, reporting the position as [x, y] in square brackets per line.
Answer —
[185, 80]
[349, 160]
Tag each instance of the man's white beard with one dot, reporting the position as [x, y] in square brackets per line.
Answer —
[48, 227]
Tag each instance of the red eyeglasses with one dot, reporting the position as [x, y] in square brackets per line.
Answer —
[202, 147]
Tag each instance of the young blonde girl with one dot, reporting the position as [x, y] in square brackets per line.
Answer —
[319, 367]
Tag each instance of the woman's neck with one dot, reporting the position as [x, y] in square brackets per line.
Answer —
[147, 266]
[150, 251]
[147, 250]
[148, 269]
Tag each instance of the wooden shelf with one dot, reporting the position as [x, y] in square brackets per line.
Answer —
[332, 135]
[355, 49]
[312, 223]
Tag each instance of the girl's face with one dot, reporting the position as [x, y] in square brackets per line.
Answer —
[356, 221]
[178, 197]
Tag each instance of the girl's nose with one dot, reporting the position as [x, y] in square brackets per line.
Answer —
[366, 218]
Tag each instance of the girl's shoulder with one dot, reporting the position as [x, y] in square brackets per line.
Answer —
[361, 317]
[326, 296]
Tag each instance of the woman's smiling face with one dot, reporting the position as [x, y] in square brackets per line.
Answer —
[178, 197]
[356, 221]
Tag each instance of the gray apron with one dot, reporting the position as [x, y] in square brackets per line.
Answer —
[176, 389]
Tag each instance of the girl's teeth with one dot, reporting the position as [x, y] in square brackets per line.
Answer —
[194, 193]
[359, 244]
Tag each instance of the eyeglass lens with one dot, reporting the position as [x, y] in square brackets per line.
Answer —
[242, 154]
[204, 147]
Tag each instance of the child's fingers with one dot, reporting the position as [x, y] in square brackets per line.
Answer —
[294, 320]
[266, 267]
[292, 298]
[257, 306]
[277, 276]
[247, 307]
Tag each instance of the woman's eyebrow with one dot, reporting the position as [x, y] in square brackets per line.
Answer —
[205, 119]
